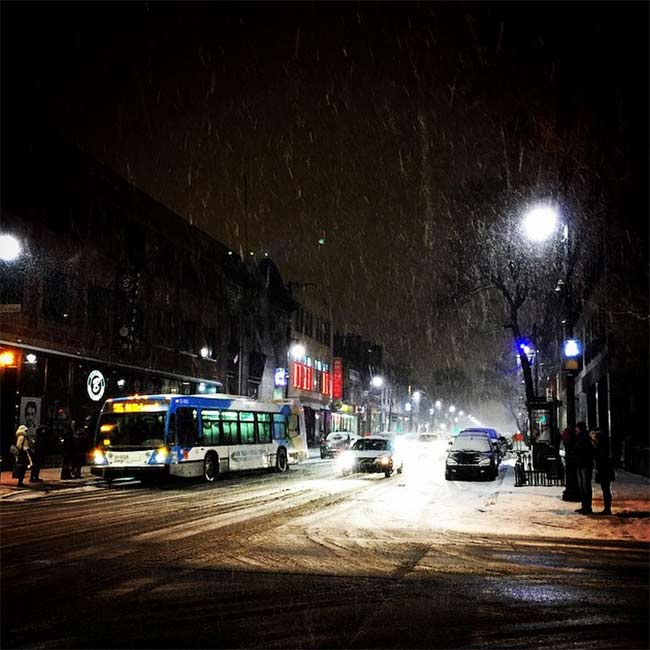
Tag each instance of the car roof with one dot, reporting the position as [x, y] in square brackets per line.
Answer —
[487, 430]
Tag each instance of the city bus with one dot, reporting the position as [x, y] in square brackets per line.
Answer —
[147, 436]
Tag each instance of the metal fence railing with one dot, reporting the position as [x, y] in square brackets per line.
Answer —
[551, 472]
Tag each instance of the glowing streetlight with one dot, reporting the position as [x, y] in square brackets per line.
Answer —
[417, 395]
[10, 248]
[377, 381]
[540, 223]
[297, 350]
[438, 404]
[452, 409]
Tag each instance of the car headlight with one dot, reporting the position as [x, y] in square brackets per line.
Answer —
[384, 460]
[345, 460]
[451, 461]
[484, 461]
[162, 453]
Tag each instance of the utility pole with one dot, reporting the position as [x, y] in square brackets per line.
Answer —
[571, 491]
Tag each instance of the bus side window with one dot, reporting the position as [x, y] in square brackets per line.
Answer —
[210, 427]
[264, 427]
[187, 427]
[279, 426]
[247, 428]
[230, 427]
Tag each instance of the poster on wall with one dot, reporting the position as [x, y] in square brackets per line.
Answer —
[30, 413]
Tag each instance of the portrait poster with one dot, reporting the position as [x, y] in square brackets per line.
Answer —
[30, 413]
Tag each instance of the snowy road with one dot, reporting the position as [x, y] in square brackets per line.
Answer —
[310, 559]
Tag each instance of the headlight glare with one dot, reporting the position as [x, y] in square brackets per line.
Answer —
[346, 460]
[98, 457]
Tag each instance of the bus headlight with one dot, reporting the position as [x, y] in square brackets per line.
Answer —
[162, 454]
[98, 457]
[346, 460]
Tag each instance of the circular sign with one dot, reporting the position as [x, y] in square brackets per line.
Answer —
[96, 384]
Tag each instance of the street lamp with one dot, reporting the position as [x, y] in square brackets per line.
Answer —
[377, 381]
[10, 248]
[540, 224]
[297, 351]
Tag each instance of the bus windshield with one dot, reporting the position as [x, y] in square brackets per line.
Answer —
[142, 430]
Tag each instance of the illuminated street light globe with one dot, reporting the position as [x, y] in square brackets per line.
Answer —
[540, 223]
[9, 248]
[438, 404]
[377, 381]
[452, 409]
[416, 395]
[298, 350]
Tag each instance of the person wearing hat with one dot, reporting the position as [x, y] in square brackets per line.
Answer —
[22, 458]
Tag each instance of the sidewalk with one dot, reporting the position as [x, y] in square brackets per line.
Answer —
[51, 481]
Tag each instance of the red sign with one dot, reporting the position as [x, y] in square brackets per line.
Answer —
[337, 379]
[302, 376]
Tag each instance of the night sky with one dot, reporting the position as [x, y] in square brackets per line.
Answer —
[362, 121]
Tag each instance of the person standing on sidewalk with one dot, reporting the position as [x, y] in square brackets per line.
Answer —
[585, 466]
[21, 459]
[604, 470]
[68, 450]
[38, 454]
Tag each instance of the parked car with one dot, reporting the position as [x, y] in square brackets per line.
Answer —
[472, 456]
[371, 454]
[494, 436]
[336, 442]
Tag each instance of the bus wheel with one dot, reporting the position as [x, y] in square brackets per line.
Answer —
[210, 467]
[281, 462]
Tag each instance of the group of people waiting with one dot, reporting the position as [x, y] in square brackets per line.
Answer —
[30, 447]
[592, 448]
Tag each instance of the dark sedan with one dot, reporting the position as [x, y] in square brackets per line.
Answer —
[472, 457]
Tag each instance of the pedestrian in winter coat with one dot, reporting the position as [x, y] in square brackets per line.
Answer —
[21, 458]
[78, 452]
[604, 470]
[585, 453]
[37, 448]
[68, 450]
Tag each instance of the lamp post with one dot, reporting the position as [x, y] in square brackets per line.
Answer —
[539, 225]
[377, 382]
[417, 396]
[438, 407]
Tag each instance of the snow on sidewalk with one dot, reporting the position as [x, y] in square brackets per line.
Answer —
[524, 511]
